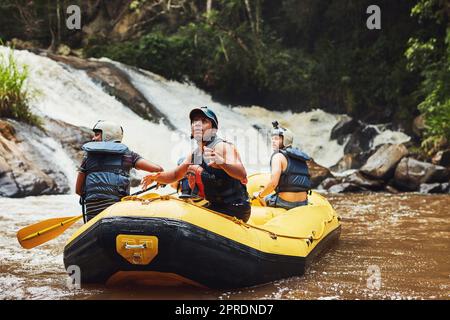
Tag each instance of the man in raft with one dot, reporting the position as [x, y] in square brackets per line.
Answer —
[214, 169]
[289, 173]
[104, 175]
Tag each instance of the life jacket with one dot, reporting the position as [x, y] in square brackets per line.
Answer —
[215, 185]
[296, 177]
[107, 177]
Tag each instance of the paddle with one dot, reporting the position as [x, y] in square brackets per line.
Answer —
[41, 232]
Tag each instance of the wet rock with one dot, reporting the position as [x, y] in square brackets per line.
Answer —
[347, 162]
[381, 165]
[442, 158]
[346, 187]
[25, 171]
[352, 161]
[22, 44]
[328, 183]
[418, 126]
[317, 173]
[359, 179]
[63, 50]
[433, 187]
[391, 189]
[7, 131]
[446, 187]
[361, 140]
[411, 173]
[116, 83]
[8, 187]
[23, 178]
[70, 136]
[344, 127]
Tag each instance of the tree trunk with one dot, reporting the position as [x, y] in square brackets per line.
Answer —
[250, 15]
[58, 23]
[258, 17]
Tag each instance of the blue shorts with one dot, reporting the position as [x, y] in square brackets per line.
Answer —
[272, 201]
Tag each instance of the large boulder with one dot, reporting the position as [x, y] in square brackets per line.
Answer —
[346, 187]
[418, 126]
[19, 176]
[442, 158]
[357, 178]
[318, 173]
[433, 187]
[381, 165]
[347, 162]
[344, 127]
[361, 140]
[71, 137]
[411, 173]
[28, 166]
[328, 183]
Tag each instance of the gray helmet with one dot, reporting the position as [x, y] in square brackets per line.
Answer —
[110, 131]
[288, 137]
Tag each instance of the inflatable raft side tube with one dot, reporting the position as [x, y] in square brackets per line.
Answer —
[183, 249]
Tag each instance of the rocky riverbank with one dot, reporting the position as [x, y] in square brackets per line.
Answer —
[27, 157]
[370, 165]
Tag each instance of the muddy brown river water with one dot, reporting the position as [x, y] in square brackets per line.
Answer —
[391, 247]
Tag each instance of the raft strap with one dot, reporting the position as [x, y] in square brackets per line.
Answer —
[272, 235]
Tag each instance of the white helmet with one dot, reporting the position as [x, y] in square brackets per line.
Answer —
[288, 137]
[110, 131]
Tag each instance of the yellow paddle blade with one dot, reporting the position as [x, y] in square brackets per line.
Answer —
[255, 202]
[38, 233]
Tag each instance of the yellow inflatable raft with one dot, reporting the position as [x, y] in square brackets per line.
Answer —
[163, 240]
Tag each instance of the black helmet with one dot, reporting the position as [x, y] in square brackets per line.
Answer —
[207, 113]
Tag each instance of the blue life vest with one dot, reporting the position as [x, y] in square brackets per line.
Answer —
[106, 175]
[296, 177]
[218, 186]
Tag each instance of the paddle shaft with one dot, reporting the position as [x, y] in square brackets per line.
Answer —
[71, 220]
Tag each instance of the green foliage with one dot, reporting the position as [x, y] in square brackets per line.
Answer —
[429, 54]
[14, 95]
[286, 54]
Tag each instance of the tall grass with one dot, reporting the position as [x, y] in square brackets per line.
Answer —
[14, 94]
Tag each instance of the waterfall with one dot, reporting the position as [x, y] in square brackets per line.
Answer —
[247, 126]
[70, 95]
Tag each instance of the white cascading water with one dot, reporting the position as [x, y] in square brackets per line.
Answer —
[176, 99]
[311, 129]
[70, 95]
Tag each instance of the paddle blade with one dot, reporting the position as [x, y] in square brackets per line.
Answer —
[41, 232]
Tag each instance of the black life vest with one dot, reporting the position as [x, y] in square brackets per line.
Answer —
[107, 177]
[217, 186]
[296, 177]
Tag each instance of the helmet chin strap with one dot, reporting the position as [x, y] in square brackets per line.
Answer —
[207, 137]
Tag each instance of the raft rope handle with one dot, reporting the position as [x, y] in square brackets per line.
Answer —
[135, 246]
[273, 235]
